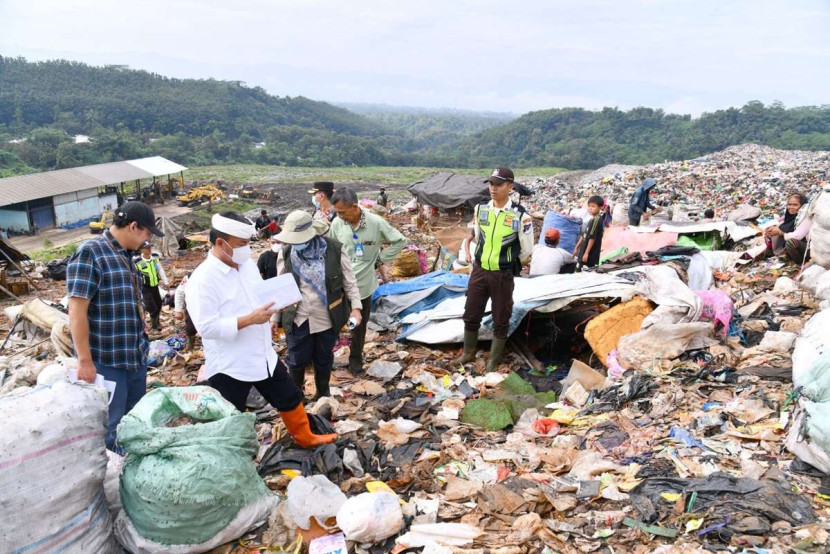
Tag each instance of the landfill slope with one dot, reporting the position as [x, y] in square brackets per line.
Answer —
[682, 443]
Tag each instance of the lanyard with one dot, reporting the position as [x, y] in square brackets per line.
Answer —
[133, 278]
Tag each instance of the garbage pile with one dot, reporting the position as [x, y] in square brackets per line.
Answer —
[745, 174]
[676, 405]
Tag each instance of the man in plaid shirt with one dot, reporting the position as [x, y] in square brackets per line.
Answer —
[106, 316]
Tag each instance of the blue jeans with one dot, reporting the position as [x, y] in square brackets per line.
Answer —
[130, 386]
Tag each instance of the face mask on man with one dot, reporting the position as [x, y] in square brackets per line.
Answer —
[275, 247]
[315, 202]
[239, 255]
[300, 247]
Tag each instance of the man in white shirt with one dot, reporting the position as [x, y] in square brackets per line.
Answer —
[222, 301]
[548, 258]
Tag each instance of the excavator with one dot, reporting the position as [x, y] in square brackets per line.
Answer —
[248, 192]
[99, 225]
[204, 193]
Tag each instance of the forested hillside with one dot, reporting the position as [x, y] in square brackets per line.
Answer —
[130, 114]
[578, 138]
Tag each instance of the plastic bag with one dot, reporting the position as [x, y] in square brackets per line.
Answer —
[53, 461]
[384, 370]
[159, 350]
[717, 307]
[315, 497]
[176, 439]
[370, 517]
[810, 344]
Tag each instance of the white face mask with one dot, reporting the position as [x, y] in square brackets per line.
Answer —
[315, 202]
[239, 255]
[275, 248]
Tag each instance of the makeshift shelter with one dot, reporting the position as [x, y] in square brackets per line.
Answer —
[173, 233]
[448, 190]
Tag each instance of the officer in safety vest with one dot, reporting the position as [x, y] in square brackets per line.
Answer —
[504, 237]
[151, 275]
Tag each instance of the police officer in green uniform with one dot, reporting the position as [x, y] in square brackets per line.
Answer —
[151, 275]
[504, 236]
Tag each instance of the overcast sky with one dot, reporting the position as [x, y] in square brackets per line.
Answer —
[516, 56]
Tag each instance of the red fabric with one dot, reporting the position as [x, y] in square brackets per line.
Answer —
[545, 426]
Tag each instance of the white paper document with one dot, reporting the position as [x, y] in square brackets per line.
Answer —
[72, 374]
[282, 290]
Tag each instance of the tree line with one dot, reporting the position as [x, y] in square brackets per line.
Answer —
[132, 114]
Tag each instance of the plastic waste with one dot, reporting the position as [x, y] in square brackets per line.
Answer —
[351, 461]
[615, 370]
[315, 497]
[330, 544]
[449, 534]
[384, 370]
[370, 517]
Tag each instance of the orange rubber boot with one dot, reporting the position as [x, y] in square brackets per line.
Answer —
[296, 422]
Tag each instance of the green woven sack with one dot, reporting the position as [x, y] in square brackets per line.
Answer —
[189, 466]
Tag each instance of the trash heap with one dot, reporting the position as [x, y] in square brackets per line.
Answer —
[671, 407]
[745, 174]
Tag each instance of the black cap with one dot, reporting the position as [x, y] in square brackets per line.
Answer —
[326, 187]
[501, 175]
[141, 213]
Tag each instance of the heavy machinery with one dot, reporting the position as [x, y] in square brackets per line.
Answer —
[96, 227]
[248, 192]
[205, 193]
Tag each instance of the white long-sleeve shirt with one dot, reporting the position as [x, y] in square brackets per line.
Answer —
[178, 297]
[216, 296]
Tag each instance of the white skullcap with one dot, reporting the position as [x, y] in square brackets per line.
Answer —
[233, 227]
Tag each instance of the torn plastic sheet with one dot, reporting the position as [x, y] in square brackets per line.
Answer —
[443, 324]
[724, 495]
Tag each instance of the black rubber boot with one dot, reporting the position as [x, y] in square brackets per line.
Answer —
[321, 383]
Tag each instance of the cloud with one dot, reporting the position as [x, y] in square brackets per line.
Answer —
[683, 55]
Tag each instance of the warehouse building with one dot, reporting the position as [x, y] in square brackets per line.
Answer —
[29, 203]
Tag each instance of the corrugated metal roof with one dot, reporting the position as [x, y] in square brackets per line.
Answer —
[157, 165]
[51, 183]
[115, 172]
[41, 185]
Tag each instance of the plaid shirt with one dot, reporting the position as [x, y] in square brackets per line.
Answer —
[116, 331]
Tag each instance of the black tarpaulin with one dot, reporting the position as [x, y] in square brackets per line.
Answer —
[447, 190]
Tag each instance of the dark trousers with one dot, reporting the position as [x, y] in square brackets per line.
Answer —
[130, 386]
[634, 220]
[794, 250]
[359, 334]
[306, 348]
[496, 286]
[279, 390]
[189, 327]
[152, 301]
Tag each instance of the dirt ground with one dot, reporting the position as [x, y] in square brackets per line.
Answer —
[291, 196]
[62, 237]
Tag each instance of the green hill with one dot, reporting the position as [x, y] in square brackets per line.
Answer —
[78, 97]
[582, 139]
[131, 114]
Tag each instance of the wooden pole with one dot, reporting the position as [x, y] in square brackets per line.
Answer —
[10, 293]
[19, 268]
